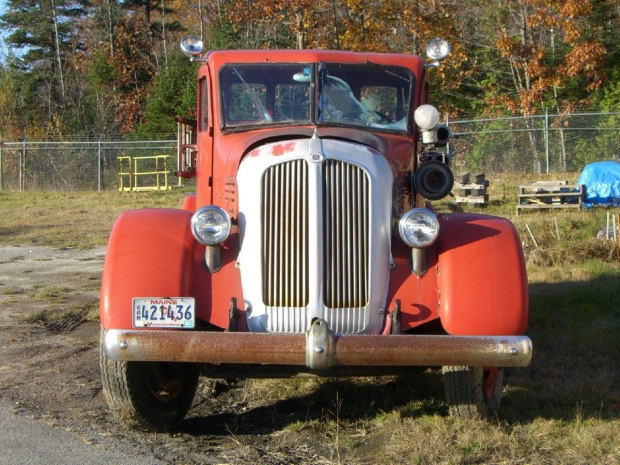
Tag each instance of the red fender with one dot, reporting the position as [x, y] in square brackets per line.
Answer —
[189, 203]
[476, 282]
[482, 277]
[213, 291]
[150, 254]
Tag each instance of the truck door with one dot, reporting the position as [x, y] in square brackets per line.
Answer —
[204, 181]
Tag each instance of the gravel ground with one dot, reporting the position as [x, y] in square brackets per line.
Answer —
[49, 372]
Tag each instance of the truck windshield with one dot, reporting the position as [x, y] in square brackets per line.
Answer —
[266, 94]
[367, 96]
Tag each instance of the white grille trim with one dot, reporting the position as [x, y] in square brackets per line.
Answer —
[351, 320]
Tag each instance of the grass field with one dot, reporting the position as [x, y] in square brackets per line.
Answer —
[563, 408]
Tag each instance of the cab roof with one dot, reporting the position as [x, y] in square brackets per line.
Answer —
[220, 58]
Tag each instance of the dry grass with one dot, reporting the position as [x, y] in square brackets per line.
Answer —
[71, 219]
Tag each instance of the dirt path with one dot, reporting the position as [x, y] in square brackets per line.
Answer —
[49, 332]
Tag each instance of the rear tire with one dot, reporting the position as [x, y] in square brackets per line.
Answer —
[473, 392]
[150, 396]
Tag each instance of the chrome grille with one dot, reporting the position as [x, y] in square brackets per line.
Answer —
[345, 211]
[285, 234]
[346, 206]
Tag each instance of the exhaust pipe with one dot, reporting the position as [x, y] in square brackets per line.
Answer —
[433, 180]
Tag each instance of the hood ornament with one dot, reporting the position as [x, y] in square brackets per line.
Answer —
[315, 149]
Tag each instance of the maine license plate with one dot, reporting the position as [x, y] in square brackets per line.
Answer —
[159, 312]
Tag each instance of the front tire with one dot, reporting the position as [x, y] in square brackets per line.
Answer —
[473, 392]
[150, 396]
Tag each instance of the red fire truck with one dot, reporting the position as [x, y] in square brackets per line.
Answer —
[310, 246]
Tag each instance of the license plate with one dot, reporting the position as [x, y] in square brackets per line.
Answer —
[159, 312]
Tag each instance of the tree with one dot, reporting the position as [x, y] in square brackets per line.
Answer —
[45, 29]
[174, 94]
[134, 72]
[547, 47]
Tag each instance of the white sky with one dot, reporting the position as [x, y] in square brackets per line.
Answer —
[3, 50]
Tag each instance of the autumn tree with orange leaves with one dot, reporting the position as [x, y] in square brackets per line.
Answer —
[549, 49]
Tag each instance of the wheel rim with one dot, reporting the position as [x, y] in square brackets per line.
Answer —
[164, 381]
[491, 375]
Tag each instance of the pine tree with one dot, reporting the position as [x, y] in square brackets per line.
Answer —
[174, 94]
[45, 31]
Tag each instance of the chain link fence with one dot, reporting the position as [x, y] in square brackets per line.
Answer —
[93, 165]
[547, 143]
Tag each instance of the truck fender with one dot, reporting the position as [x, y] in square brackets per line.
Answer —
[150, 254]
[189, 203]
[481, 276]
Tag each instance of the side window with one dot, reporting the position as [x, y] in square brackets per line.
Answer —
[203, 116]
[381, 99]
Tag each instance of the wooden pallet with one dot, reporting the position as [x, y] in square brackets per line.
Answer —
[471, 192]
[478, 199]
[549, 195]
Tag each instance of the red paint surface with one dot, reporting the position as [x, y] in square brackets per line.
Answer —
[149, 254]
[482, 277]
[477, 283]
[213, 291]
[189, 203]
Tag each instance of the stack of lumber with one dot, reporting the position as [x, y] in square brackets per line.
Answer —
[470, 190]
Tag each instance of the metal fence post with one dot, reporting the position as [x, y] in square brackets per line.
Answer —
[448, 125]
[99, 165]
[1, 144]
[22, 168]
[547, 137]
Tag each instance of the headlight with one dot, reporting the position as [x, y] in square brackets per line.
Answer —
[437, 49]
[211, 225]
[418, 228]
[426, 116]
[192, 46]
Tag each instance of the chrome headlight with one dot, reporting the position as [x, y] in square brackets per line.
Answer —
[192, 46]
[418, 228]
[211, 225]
[437, 49]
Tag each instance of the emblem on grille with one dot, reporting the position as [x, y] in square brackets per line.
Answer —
[316, 157]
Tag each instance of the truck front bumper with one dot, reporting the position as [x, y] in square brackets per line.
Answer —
[317, 349]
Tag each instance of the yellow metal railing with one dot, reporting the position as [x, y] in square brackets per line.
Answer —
[155, 167]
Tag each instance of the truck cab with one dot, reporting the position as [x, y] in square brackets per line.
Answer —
[311, 245]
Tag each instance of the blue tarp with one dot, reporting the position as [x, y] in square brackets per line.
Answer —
[602, 184]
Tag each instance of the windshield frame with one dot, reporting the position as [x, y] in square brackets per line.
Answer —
[316, 84]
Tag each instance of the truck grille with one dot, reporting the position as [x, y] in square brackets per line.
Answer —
[345, 233]
[285, 235]
[345, 218]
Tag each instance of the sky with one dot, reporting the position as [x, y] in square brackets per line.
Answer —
[3, 50]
